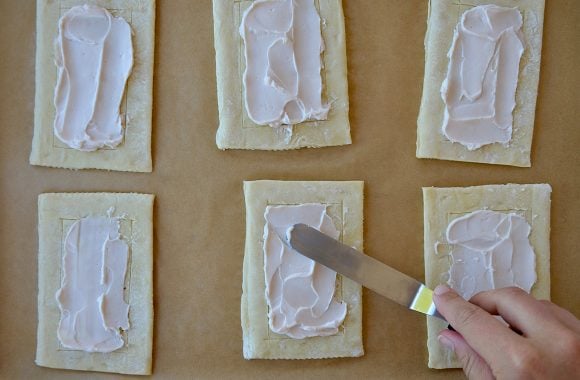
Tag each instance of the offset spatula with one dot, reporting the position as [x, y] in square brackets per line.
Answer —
[363, 269]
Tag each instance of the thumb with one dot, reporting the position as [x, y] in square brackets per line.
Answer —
[474, 366]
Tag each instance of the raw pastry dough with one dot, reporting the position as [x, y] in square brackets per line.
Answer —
[345, 206]
[443, 17]
[56, 212]
[134, 153]
[442, 205]
[236, 130]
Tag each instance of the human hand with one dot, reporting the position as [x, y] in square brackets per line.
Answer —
[549, 347]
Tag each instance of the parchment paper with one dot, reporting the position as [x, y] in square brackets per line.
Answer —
[199, 214]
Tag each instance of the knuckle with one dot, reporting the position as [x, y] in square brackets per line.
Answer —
[473, 366]
[570, 345]
[469, 365]
[545, 303]
[467, 316]
[527, 363]
[513, 291]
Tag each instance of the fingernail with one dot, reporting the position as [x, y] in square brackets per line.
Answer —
[441, 289]
[445, 342]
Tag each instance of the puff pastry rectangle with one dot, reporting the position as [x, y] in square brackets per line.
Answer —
[236, 130]
[431, 143]
[134, 153]
[442, 205]
[56, 212]
[344, 202]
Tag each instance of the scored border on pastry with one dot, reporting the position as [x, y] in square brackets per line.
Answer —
[431, 143]
[344, 202]
[134, 152]
[236, 130]
[56, 213]
[442, 205]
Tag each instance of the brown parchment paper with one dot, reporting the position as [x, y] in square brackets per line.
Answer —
[199, 212]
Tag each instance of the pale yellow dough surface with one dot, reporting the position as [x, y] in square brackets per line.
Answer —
[236, 130]
[134, 152]
[431, 143]
[442, 205]
[344, 202]
[56, 212]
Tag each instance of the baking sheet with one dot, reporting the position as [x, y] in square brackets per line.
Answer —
[199, 214]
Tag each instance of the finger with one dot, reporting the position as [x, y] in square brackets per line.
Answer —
[517, 308]
[568, 319]
[485, 334]
[473, 365]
